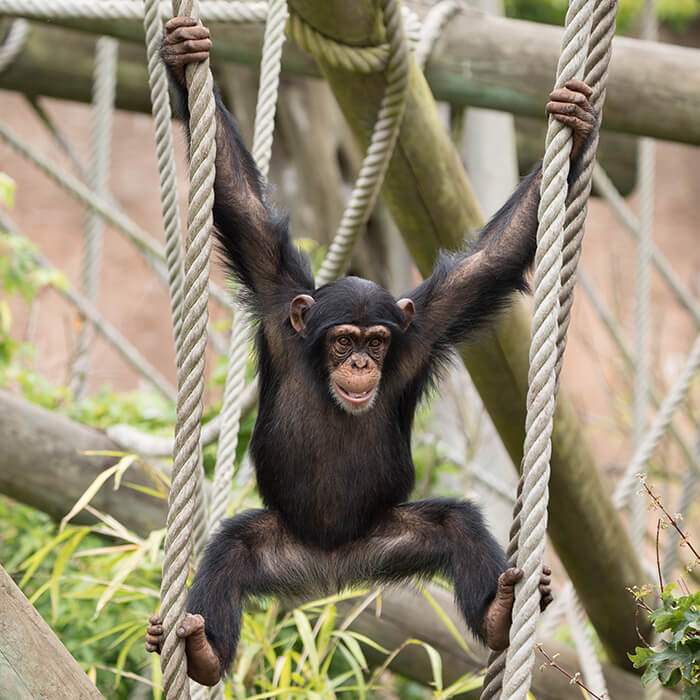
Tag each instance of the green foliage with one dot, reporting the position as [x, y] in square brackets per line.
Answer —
[676, 659]
[677, 13]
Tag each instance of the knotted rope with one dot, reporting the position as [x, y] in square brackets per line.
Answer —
[181, 502]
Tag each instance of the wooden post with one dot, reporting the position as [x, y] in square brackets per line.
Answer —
[33, 662]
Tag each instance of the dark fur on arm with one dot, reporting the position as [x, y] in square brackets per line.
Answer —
[253, 238]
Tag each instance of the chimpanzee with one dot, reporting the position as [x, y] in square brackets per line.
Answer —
[341, 369]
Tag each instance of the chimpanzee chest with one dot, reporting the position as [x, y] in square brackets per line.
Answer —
[330, 480]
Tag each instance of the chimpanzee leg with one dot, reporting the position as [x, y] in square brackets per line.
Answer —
[428, 537]
[250, 554]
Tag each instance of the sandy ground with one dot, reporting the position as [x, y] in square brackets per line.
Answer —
[134, 301]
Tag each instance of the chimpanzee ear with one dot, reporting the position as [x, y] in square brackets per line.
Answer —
[406, 306]
[297, 310]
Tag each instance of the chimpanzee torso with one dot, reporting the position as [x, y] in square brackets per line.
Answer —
[326, 489]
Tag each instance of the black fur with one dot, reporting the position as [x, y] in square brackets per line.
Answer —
[335, 484]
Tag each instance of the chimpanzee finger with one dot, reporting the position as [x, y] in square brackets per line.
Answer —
[579, 86]
[155, 620]
[152, 647]
[545, 601]
[574, 110]
[154, 630]
[176, 22]
[545, 580]
[186, 34]
[566, 95]
[578, 126]
[546, 570]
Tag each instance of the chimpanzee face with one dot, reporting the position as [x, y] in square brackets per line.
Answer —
[355, 357]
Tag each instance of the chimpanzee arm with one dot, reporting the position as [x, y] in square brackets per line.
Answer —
[468, 288]
[255, 240]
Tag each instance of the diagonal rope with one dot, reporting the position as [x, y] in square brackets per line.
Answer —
[381, 147]
[181, 501]
[13, 42]
[542, 374]
[104, 89]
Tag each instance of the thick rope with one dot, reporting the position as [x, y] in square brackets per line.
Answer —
[433, 24]
[596, 73]
[181, 502]
[213, 11]
[542, 374]
[270, 69]
[629, 481]
[646, 173]
[13, 42]
[104, 88]
[381, 147]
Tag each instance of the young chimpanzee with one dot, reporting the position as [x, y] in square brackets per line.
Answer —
[342, 368]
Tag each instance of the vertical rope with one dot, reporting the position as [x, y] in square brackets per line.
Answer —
[433, 24]
[646, 175]
[596, 74]
[542, 374]
[181, 502]
[104, 86]
[376, 162]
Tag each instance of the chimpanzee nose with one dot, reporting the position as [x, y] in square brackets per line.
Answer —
[359, 360]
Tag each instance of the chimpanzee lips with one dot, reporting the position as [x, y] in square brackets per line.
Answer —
[355, 398]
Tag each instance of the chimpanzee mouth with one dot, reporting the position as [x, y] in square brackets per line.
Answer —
[356, 399]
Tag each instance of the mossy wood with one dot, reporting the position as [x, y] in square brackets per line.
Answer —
[478, 60]
[34, 665]
[431, 201]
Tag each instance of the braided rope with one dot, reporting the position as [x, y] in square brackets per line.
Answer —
[181, 501]
[13, 43]
[596, 74]
[381, 148]
[542, 374]
[493, 680]
[433, 24]
[270, 69]
[104, 88]
[628, 483]
[646, 173]
[213, 10]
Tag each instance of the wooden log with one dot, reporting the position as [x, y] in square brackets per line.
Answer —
[33, 662]
[42, 464]
[431, 201]
[479, 60]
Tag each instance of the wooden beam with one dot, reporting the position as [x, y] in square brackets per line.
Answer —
[33, 662]
[479, 60]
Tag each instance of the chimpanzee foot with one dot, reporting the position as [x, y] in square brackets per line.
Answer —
[497, 620]
[203, 664]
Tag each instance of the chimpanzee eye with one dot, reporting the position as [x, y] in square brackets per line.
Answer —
[375, 342]
[343, 340]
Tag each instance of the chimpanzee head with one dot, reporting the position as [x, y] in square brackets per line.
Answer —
[347, 327]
